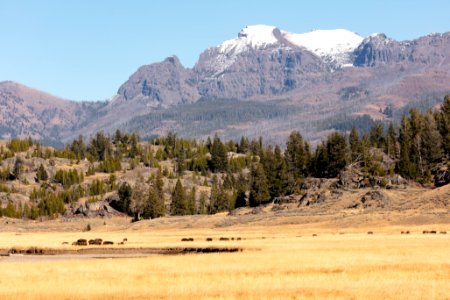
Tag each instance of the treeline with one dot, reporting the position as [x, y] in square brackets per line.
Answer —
[238, 173]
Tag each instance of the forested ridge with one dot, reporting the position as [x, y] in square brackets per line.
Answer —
[170, 175]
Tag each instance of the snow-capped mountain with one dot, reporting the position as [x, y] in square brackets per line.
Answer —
[264, 81]
[334, 47]
[257, 36]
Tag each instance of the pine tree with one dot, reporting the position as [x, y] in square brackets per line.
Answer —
[41, 173]
[444, 124]
[219, 200]
[276, 171]
[365, 153]
[415, 154]
[155, 206]
[125, 191]
[100, 147]
[219, 161]
[18, 166]
[391, 142]
[320, 161]
[404, 164]
[355, 145]
[191, 201]
[181, 162]
[376, 135]
[241, 199]
[259, 191]
[431, 142]
[202, 204]
[78, 147]
[178, 206]
[297, 157]
[243, 146]
[134, 146]
[337, 153]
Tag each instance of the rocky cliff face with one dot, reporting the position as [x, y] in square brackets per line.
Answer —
[257, 72]
[378, 50]
[162, 84]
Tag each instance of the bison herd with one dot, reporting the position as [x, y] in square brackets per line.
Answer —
[433, 232]
[98, 242]
[210, 239]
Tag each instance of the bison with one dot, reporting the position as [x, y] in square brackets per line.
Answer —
[80, 242]
[95, 242]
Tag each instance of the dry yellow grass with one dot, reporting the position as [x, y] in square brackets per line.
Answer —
[288, 263]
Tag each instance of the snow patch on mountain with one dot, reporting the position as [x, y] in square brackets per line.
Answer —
[333, 46]
[256, 36]
[250, 37]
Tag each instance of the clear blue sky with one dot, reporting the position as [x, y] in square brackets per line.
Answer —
[85, 49]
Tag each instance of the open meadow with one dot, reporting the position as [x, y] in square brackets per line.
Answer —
[283, 257]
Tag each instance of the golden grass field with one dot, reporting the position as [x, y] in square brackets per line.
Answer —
[281, 257]
[279, 261]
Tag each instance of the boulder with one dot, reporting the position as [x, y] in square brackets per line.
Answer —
[350, 178]
[94, 206]
[81, 209]
[371, 199]
[374, 199]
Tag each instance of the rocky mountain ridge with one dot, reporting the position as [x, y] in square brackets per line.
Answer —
[322, 80]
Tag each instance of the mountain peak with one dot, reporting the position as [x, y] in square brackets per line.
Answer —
[333, 46]
[254, 36]
[173, 60]
[258, 34]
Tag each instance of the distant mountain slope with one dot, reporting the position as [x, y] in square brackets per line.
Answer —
[313, 82]
[29, 112]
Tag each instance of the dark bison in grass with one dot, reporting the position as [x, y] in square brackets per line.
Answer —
[80, 242]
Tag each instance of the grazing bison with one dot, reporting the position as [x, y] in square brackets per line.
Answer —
[443, 232]
[108, 243]
[125, 240]
[34, 250]
[224, 239]
[369, 232]
[209, 239]
[187, 239]
[95, 242]
[80, 242]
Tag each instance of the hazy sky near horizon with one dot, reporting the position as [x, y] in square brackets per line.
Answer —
[85, 49]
